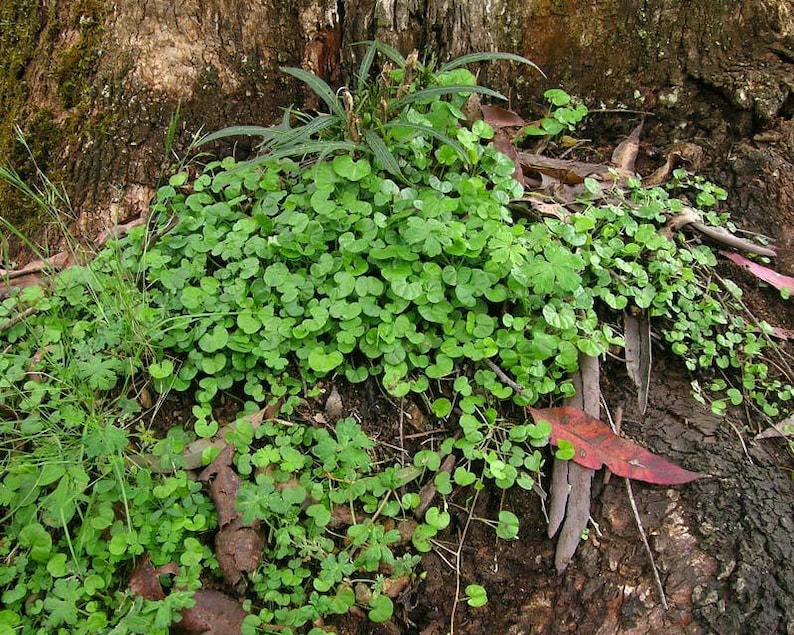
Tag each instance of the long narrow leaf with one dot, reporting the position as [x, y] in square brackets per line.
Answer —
[445, 139]
[302, 133]
[366, 64]
[269, 132]
[473, 58]
[430, 93]
[389, 51]
[319, 86]
[382, 153]
[319, 148]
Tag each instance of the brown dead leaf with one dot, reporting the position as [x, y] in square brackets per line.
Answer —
[503, 143]
[571, 483]
[145, 579]
[567, 172]
[193, 455]
[782, 429]
[213, 614]
[415, 417]
[501, 118]
[238, 546]
[686, 153]
[472, 109]
[625, 155]
[223, 485]
[334, 408]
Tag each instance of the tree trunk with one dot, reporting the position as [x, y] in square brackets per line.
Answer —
[95, 85]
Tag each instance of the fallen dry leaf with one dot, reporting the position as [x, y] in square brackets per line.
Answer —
[567, 172]
[596, 445]
[625, 155]
[571, 483]
[213, 614]
[782, 429]
[334, 409]
[145, 579]
[501, 118]
[238, 546]
[681, 153]
[224, 484]
[770, 276]
[503, 143]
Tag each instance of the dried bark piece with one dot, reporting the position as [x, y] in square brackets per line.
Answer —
[637, 333]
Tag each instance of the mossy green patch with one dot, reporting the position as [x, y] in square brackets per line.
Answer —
[28, 34]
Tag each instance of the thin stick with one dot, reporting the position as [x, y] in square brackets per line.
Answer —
[657, 580]
[503, 376]
[18, 318]
[654, 570]
[457, 564]
[402, 433]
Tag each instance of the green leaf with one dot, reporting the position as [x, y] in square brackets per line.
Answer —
[320, 88]
[322, 362]
[491, 56]
[382, 153]
[436, 518]
[161, 370]
[476, 595]
[346, 167]
[381, 609]
[441, 407]
[320, 513]
[214, 340]
[508, 526]
[36, 537]
[557, 97]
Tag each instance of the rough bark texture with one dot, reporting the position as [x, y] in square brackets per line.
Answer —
[94, 85]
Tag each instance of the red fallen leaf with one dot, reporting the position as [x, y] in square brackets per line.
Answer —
[777, 280]
[782, 334]
[596, 445]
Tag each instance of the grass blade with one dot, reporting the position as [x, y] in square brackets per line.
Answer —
[430, 93]
[266, 133]
[319, 86]
[366, 65]
[319, 148]
[382, 153]
[465, 60]
[302, 133]
[385, 49]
